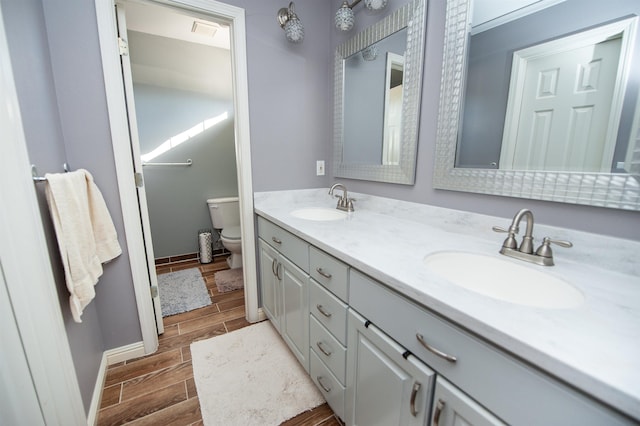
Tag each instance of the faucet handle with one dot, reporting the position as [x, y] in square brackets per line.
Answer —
[545, 248]
[510, 242]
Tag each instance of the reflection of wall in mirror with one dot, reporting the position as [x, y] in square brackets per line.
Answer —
[364, 92]
[490, 55]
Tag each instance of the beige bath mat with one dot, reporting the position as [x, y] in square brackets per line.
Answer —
[250, 378]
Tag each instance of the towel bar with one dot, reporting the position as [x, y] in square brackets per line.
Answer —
[187, 163]
[36, 178]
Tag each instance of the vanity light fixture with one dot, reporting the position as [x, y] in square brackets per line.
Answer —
[290, 23]
[345, 17]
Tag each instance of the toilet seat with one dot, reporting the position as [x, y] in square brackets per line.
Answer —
[231, 233]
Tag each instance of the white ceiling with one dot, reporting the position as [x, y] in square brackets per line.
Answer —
[173, 23]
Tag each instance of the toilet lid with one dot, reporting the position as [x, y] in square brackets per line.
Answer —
[231, 233]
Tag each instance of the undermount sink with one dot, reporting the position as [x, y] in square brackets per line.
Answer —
[319, 214]
[504, 280]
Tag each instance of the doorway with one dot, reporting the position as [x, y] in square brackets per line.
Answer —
[134, 212]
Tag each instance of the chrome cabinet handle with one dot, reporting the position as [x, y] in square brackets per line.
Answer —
[322, 349]
[414, 394]
[322, 385]
[323, 273]
[438, 412]
[276, 240]
[435, 351]
[278, 269]
[323, 311]
[273, 266]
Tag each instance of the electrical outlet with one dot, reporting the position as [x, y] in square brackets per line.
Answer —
[320, 168]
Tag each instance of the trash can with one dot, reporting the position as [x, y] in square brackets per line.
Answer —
[204, 242]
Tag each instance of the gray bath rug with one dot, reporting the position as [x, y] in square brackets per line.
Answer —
[229, 280]
[182, 291]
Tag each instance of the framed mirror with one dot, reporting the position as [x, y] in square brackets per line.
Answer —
[378, 86]
[507, 123]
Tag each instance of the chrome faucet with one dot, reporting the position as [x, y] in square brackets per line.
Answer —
[344, 202]
[542, 256]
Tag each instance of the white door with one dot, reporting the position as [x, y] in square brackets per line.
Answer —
[137, 163]
[564, 119]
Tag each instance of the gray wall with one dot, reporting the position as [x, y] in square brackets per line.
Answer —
[176, 195]
[618, 223]
[490, 60]
[54, 114]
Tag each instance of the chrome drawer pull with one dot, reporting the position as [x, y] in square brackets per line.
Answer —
[323, 311]
[275, 240]
[414, 393]
[323, 273]
[322, 349]
[435, 351]
[438, 412]
[325, 388]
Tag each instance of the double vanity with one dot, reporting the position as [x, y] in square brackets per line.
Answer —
[405, 313]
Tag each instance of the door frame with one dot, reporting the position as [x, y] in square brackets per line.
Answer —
[521, 58]
[116, 104]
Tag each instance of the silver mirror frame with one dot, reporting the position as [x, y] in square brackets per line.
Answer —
[618, 191]
[412, 16]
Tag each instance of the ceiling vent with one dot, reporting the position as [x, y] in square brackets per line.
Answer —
[204, 28]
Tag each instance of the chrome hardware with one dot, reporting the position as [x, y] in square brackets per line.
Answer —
[324, 274]
[435, 351]
[542, 256]
[322, 385]
[322, 349]
[278, 269]
[412, 403]
[344, 202]
[323, 311]
[545, 251]
[436, 415]
[273, 267]
[276, 240]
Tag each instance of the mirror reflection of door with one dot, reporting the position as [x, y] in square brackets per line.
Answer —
[563, 117]
[393, 109]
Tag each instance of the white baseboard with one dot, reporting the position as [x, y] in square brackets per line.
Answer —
[92, 415]
[110, 357]
[125, 353]
[261, 315]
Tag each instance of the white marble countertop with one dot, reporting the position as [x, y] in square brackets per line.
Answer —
[595, 347]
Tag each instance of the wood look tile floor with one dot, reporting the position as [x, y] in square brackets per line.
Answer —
[159, 389]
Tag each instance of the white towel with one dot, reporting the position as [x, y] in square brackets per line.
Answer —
[85, 232]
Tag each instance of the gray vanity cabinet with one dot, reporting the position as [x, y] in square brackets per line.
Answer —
[328, 294]
[453, 407]
[386, 385]
[285, 286]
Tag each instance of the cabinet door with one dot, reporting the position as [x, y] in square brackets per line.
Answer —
[452, 408]
[383, 387]
[269, 282]
[294, 317]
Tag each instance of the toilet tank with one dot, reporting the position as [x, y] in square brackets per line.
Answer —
[224, 212]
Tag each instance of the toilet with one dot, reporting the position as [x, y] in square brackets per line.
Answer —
[225, 216]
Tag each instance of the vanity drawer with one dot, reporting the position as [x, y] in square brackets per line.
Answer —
[292, 247]
[328, 310]
[329, 386]
[330, 272]
[328, 349]
[514, 391]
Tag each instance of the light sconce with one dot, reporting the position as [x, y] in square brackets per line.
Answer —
[345, 17]
[289, 21]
